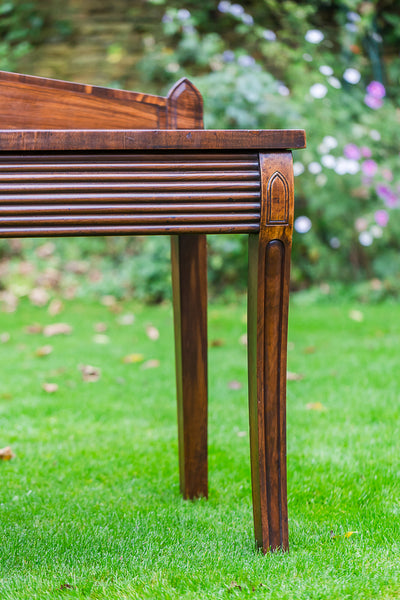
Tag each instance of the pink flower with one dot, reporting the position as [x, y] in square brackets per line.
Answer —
[387, 174]
[376, 89]
[387, 195]
[366, 152]
[352, 152]
[373, 102]
[381, 217]
[369, 167]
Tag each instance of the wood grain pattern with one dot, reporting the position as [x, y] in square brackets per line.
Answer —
[189, 287]
[189, 260]
[184, 106]
[28, 102]
[158, 140]
[84, 160]
[127, 194]
[269, 268]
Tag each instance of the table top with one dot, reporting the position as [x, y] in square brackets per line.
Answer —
[263, 140]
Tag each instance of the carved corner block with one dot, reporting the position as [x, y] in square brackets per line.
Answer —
[184, 106]
[277, 199]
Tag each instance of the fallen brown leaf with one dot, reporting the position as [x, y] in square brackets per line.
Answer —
[108, 300]
[356, 315]
[55, 307]
[100, 327]
[235, 385]
[316, 406]
[50, 388]
[217, 343]
[10, 301]
[309, 350]
[153, 363]
[45, 250]
[243, 339]
[343, 535]
[4, 337]
[126, 319]
[6, 453]
[234, 584]
[133, 358]
[57, 329]
[90, 373]
[44, 350]
[152, 332]
[100, 338]
[290, 376]
[39, 296]
[33, 329]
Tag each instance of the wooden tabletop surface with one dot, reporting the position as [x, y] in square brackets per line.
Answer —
[160, 139]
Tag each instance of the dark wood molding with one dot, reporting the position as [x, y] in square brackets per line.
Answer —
[156, 140]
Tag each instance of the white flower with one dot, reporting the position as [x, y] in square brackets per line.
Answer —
[307, 57]
[283, 90]
[247, 19]
[302, 224]
[352, 27]
[298, 168]
[269, 35]
[352, 75]
[330, 142]
[318, 90]
[341, 166]
[224, 6]
[325, 70]
[328, 161]
[353, 16]
[172, 67]
[346, 165]
[183, 14]
[376, 231]
[314, 36]
[334, 243]
[321, 180]
[334, 82]
[352, 166]
[375, 135]
[314, 168]
[236, 10]
[365, 238]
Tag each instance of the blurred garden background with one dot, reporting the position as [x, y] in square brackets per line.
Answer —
[89, 495]
[330, 67]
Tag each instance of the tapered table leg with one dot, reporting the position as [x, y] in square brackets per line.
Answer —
[269, 266]
[189, 279]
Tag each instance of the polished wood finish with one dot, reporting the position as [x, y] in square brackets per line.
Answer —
[269, 268]
[189, 290]
[28, 102]
[158, 140]
[128, 194]
[189, 273]
[58, 179]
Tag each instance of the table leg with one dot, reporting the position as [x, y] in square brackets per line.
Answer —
[189, 279]
[269, 267]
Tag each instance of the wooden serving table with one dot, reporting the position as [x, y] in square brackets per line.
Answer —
[61, 182]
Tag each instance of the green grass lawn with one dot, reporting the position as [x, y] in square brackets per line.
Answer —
[90, 505]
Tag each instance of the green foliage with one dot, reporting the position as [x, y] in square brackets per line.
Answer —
[278, 64]
[21, 25]
[285, 64]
